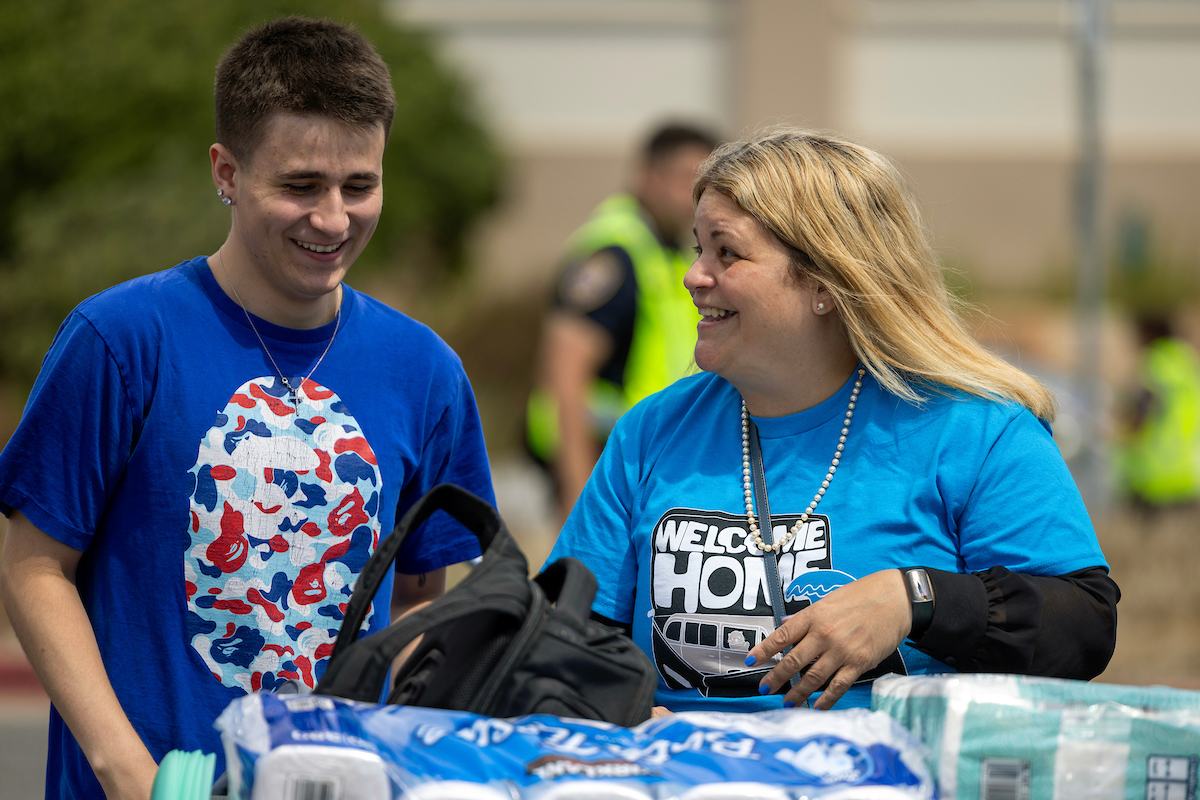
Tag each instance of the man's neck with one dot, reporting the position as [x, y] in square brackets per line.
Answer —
[243, 284]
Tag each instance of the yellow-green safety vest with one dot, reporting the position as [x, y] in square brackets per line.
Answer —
[664, 330]
[1161, 462]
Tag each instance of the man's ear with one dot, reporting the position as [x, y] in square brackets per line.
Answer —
[224, 170]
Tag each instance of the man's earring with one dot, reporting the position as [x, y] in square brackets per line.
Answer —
[226, 200]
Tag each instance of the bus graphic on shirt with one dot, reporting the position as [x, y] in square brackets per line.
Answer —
[710, 601]
[715, 644]
[284, 513]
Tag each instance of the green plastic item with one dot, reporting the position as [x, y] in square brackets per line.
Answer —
[1019, 736]
[184, 776]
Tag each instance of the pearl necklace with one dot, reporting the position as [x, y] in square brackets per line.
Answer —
[747, 481]
[292, 390]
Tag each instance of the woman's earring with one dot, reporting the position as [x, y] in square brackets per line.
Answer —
[820, 306]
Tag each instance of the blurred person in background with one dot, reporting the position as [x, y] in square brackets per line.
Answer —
[915, 492]
[621, 325]
[211, 453]
[1159, 447]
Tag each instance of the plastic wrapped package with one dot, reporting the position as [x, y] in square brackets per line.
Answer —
[303, 747]
[320, 771]
[1030, 738]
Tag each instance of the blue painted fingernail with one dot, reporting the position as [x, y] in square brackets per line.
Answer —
[788, 704]
[764, 689]
[751, 661]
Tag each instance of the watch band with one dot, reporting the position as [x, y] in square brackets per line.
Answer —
[920, 598]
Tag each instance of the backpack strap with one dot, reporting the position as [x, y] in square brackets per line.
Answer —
[571, 586]
[475, 514]
[485, 701]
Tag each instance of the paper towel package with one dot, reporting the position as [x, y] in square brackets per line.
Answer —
[305, 747]
[1026, 738]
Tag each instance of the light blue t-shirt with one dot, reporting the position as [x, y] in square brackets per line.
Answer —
[958, 483]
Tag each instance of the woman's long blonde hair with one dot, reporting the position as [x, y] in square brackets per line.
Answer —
[854, 229]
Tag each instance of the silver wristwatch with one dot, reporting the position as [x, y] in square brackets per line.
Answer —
[920, 596]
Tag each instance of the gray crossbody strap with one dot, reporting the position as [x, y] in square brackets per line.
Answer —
[764, 525]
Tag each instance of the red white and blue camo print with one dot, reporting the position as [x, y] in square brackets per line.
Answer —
[284, 514]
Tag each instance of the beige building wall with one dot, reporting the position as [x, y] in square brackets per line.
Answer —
[572, 86]
[975, 99]
[786, 61]
[977, 102]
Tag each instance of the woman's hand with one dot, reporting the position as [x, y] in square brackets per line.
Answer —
[843, 635]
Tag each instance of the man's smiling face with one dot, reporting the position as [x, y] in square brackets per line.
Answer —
[307, 203]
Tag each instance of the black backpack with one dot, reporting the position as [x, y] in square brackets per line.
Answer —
[498, 643]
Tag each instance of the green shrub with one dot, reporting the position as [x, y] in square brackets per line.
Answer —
[104, 175]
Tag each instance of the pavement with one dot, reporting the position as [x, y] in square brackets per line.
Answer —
[24, 715]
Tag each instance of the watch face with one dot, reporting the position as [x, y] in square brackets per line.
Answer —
[919, 588]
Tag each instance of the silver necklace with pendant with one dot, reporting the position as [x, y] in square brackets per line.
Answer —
[293, 391]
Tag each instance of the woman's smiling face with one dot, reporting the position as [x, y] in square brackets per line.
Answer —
[757, 320]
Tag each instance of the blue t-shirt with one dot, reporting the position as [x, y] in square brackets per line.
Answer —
[958, 483]
[222, 528]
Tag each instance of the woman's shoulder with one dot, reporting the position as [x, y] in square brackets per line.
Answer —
[959, 404]
[677, 407]
[954, 415]
[682, 396]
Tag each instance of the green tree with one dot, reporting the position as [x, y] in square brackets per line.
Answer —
[106, 121]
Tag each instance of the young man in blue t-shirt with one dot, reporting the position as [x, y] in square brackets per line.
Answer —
[211, 453]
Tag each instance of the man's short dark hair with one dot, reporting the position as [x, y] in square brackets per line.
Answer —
[669, 139]
[303, 66]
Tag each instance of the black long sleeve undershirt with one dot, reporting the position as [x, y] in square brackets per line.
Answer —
[1062, 626]
[624, 627]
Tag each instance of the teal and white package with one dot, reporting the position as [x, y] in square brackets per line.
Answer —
[1031, 738]
[308, 746]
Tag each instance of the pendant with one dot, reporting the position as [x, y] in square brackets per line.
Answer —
[291, 392]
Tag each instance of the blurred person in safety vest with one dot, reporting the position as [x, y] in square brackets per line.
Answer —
[1160, 456]
[621, 324]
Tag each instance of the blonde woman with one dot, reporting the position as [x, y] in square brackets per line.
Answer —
[912, 513]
